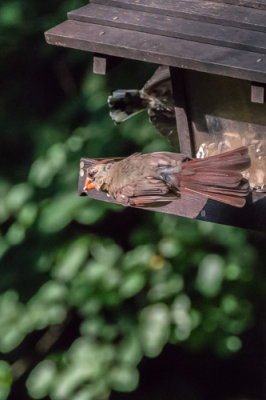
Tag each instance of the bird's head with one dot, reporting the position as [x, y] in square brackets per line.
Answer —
[97, 176]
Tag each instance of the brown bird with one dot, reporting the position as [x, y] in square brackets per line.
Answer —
[156, 97]
[143, 180]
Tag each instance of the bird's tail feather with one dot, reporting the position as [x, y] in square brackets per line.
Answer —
[217, 177]
[124, 104]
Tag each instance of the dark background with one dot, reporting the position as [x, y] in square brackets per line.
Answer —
[97, 300]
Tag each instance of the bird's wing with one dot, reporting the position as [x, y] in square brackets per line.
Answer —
[165, 123]
[145, 192]
[160, 79]
[158, 89]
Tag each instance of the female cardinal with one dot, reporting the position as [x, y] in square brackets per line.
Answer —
[143, 180]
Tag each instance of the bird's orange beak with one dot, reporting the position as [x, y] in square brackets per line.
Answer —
[88, 185]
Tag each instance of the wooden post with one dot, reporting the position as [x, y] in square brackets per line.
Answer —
[257, 93]
[182, 118]
[102, 63]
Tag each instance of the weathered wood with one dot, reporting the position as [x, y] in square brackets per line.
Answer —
[103, 64]
[260, 4]
[206, 11]
[252, 216]
[181, 112]
[160, 50]
[257, 93]
[197, 31]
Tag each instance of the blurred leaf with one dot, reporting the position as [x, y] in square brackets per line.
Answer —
[11, 13]
[166, 289]
[124, 378]
[74, 257]
[154, 328]
[210, 275]
[18, 195]
[59, 213]
[181, 316]
[41, 379]
[28, 215]
[130, 350]
[5, 380]
[16, 234]
[132, 285]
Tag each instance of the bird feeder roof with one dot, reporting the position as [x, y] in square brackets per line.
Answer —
[223, 37]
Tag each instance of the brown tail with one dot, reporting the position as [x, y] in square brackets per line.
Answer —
[217, 177]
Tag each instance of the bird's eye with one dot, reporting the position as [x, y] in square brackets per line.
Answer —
[91, 173]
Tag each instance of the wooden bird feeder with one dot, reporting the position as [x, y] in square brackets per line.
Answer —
[216, 51]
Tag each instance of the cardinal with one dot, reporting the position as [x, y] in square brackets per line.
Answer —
[156, 97]
[145, 180]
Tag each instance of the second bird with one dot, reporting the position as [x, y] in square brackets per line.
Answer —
[156, 97]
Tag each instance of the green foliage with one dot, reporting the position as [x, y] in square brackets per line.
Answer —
[64, 263]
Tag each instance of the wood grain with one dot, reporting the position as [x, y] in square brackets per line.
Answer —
[102, 64]
[257, 93]
[181, 111]
[197, 31]
[160, 50]
[206, 11]
[260, 4]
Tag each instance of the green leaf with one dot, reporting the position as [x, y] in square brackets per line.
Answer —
[154, 328]
[210, 275]
[73, 259]
[17, 196]
[5, 380]
[132, 284]
[41, 379]
[124, 378]
[59, 213]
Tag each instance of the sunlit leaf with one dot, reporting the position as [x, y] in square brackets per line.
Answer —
[5, 380]
[124, 378]
[210, 275]
[154, 328]
[18, 195]
[41, 379]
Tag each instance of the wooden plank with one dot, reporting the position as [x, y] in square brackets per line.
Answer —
[206, 11]
[181, 112]
[160, 50]
[102, 64]
[252, 216]
[202, 32]
[257, 93]
[260, 4]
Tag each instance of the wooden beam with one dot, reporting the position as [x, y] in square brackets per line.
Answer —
[182, 28]
[257, 93]
[260, 4]
[159, 50]
[102, 64]
[181, 112]
[206, 11]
